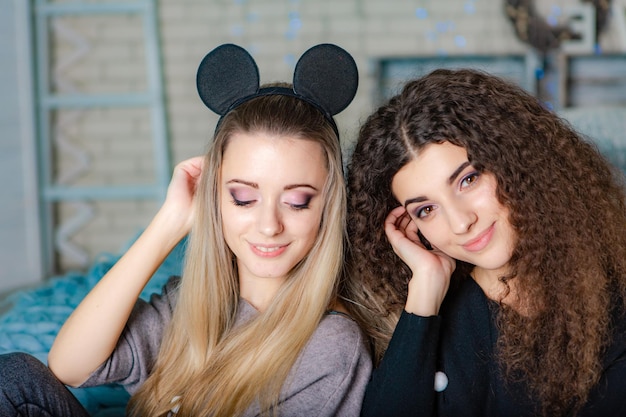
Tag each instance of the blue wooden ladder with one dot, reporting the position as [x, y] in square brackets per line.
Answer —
[53, 191]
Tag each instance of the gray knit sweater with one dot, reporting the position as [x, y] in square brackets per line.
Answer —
[328, 379]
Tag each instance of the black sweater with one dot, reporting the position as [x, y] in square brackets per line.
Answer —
[460, 343]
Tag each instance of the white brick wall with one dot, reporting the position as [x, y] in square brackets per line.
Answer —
[276, 32]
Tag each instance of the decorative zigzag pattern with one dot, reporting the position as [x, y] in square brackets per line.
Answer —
[81, 162]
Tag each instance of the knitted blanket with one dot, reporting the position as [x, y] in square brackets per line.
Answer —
[33, 317]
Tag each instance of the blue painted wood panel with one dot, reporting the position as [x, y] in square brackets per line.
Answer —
[19, 243]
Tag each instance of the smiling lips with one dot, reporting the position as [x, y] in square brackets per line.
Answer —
[481, 241]
[268, 251]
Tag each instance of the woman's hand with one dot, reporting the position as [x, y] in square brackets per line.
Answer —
[431, 269]
[92, 331]
[180, 199]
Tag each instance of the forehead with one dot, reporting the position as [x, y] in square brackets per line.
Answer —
[259, 155]
[429, 170]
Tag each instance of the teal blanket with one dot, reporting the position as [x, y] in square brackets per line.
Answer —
[32, 318]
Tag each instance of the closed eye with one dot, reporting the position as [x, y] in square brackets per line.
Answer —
[243, 196]
[240, 203]
[301, 205]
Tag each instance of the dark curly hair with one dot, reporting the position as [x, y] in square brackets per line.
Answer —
[566, 205]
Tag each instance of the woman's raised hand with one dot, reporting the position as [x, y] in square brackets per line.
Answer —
[431, 268]
[182, 189]
[93, 329]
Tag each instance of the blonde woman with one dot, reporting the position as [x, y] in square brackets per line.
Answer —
[256, 325]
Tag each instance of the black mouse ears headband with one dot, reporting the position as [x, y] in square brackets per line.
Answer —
[325, 76]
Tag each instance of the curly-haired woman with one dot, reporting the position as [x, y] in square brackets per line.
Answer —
[495, 236]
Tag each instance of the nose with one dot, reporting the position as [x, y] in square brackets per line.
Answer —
[461, 219]
[270, 223]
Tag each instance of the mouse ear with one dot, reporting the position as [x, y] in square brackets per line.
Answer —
[328, 75]
[225, 75]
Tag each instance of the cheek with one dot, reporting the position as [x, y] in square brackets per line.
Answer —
[433, 233]
[232, 220]
[307, 226]
[437, 231]
[226, 207]
[228, 231]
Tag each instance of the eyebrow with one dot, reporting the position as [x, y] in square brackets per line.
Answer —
[458, 171]
[293, 186]
[451, 179]
[256, 186]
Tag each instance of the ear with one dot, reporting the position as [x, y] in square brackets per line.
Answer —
[225, 75]
[328, 76]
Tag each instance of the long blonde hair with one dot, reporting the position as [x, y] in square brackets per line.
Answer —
[212, 368]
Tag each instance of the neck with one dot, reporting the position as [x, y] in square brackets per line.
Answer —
[259, 292]
[489, 281]
[498, 291]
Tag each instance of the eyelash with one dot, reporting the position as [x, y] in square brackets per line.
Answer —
[296, 207]
[239, 203]
[475, 175]
[418, 212]
[302, 206]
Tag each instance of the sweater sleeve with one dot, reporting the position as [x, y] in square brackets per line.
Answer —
[138, 346]
[330, 376]
[403, 384]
